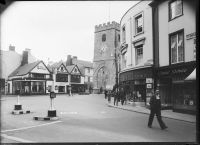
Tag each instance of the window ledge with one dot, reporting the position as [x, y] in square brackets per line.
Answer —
[138, 34]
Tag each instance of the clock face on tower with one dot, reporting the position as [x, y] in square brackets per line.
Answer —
[103, 48]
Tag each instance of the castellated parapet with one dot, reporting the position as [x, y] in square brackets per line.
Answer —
[106, 26]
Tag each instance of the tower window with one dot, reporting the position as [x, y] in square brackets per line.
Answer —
[103, 37]
[119, 38]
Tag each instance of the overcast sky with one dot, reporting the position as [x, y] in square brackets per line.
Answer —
[56, 29]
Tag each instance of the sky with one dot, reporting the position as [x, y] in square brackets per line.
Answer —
[55, 29]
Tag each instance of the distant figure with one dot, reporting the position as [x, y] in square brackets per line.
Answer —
[106, 93]
[155, 107]
[101, 89]
[116, 97]
[109, 96]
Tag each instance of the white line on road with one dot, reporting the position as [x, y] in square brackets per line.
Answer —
[23, 128]
[16, 139]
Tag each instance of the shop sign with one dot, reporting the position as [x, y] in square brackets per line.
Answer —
[191, 35]
[41, 67]
[149, 80]
[149, 86]
[191, 102]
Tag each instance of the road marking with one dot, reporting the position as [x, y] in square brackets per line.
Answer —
[16, 138]
[23, 128]
[68, 112]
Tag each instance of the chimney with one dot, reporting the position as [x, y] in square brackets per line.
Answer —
[28, 49]
[69, 60]
[11, 48]
[24, 58]
[75, 58]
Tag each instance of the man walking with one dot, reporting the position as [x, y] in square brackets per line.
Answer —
[155, 107]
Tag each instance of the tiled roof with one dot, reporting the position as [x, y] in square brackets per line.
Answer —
[82, 62]
[54, 65]
[23, 70]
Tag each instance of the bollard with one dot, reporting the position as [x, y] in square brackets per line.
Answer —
[18, 107]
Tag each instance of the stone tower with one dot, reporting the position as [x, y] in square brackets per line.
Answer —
[106, 43]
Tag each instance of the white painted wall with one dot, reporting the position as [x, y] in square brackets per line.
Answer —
[129, 21]
[187, 22]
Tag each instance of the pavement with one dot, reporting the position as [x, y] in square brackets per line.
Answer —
[165, 113]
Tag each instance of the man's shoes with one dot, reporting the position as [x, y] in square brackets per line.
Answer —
[164, 128]
[149, 126]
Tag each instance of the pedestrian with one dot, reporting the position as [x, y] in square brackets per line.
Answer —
[106, 93]
[155, 108]
[116, 97]
[122, 96]
[109, 96]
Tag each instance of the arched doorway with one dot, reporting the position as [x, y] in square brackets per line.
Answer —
[102, 77]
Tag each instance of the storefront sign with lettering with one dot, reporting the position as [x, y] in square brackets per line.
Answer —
[191, 35]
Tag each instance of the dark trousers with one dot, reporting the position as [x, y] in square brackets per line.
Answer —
[158, 114]
[115, 100]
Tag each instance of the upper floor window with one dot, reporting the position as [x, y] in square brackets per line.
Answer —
[139, 24]
[124, 60]
[177, 47]
[139, 54]
[88, 70]
[124, 34]
[118, 37]
[103, 37]
[175, 9]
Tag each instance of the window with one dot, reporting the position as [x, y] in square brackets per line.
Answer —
[118, 37]
[123, 34]
[124, 60]
[175, 9]
[75, 79]
[61, 77]
[88, 79]
[139, 24]
[88, 70]
[103, 37]
[177, 48]
[139, 54]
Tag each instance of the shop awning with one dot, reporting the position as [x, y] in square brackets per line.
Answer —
[192, 76]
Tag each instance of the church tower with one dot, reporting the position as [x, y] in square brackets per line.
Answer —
[106, 44]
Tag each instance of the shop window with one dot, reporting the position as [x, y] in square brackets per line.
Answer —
[175, 9]
[124, 60]
[177, 47]
[139, 24]
[139, 54]
[123, 34]
[103, 37]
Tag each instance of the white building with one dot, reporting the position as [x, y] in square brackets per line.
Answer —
[137, 51]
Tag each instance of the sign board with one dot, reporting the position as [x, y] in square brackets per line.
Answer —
[149, 80]
[149, 86]
[52, 95]
[191, 35]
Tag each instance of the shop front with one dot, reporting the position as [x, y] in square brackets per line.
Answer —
[175, 91]
[30, 79]
[138, 83]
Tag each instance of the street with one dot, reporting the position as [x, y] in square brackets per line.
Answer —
[85, 118]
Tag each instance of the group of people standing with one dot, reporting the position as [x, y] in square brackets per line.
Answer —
[119, 95]
[155, 105]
